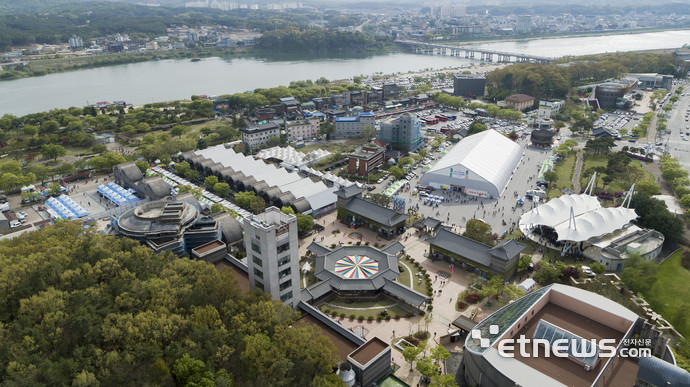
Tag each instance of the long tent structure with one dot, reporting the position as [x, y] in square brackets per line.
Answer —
[479, 165]
[277, 185]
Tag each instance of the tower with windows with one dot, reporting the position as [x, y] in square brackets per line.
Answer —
[271, 242]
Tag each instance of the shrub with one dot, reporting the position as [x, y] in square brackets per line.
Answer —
[462, 305]
[366, 243]
[333, 245]
[327, 311]
[408, 314]
[378, 319]
[352, 317]
[397, 317]
[388, 318]
[342, 315]
[430, 308]
[376, 244]
[360, 318]
[473, 298]
[685, 259]
[359, 243]
[412, 340]
[422, 313]
[370, 318]
[334, 314]
[349, 243]
[422, 335]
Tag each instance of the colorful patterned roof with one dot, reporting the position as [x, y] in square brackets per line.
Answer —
[356, 267]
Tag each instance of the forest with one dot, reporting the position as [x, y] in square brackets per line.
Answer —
[319, 40]
[555, 80]
[80, 308]
[55, 24]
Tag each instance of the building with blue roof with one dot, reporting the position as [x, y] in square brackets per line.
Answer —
[352, 127]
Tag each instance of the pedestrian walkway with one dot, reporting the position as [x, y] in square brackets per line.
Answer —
[578, 171]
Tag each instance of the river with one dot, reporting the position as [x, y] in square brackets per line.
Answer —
[145, 82]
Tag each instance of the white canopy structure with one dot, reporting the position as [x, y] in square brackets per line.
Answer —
[479, 165]
[292, 157]
[577, 218]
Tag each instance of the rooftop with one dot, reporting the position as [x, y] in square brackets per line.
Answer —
[473, 250]
[369, 351]
[384, 216]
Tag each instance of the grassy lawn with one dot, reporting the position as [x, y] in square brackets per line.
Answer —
[669, 293]
[373, 312]
[564, 169]
[381, 302]
[404, 278]
[620, 183]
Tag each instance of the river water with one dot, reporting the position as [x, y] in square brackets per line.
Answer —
[164, 80]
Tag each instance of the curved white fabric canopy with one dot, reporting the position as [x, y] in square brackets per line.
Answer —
[557, 210]
[590, 219]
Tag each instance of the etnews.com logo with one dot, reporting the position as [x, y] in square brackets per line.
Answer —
[564, 347]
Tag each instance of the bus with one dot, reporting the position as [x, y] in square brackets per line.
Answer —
[442, 118]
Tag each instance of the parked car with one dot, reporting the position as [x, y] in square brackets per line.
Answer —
[15, 224]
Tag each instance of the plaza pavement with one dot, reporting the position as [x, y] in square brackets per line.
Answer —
[443, 313]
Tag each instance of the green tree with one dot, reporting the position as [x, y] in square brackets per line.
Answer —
[479, 231]
[244, 199]
[439, 353]
[445, 380]
[99, 148]
[221, 189]
[597, 267]
[52, 151]
[411, 353]
[426, 367]
[327, 128]
[287, 210]
[404, 161]
[142, 165]
[476, 127]
[217, 207]
[647, 187]
[524, 262]
[49, 127]
[369, 133]
[273, 141]
[178, 130]
[182, 168]
[210, 181]
[396, 171]
[638, 274]
[191, 174]
[257, 204]
[551, 176]
[305, 223]
[191, 372]
[546, 274]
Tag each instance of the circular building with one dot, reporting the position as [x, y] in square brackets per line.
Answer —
[168, 225]
[359, 271]
[479, 165]
[542, 138]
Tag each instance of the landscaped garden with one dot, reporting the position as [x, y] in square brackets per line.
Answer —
[364, 309]
[669, 293]
[414, 276]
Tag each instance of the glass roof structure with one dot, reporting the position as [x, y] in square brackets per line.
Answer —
[578, 348]
[504, 318]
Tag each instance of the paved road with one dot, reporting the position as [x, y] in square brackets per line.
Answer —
[677, 124]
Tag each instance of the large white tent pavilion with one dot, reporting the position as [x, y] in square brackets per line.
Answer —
[479, 165]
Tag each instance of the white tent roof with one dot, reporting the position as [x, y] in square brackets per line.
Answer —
[557, 210]
[291, 156]
[489, 154]
[590, 219]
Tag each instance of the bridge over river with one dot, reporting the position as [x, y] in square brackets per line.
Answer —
[471, 53]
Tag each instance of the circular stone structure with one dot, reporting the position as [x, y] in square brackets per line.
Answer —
[356, 267]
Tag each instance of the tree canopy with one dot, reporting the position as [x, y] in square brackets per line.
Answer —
[479, 231]
[81, 308]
